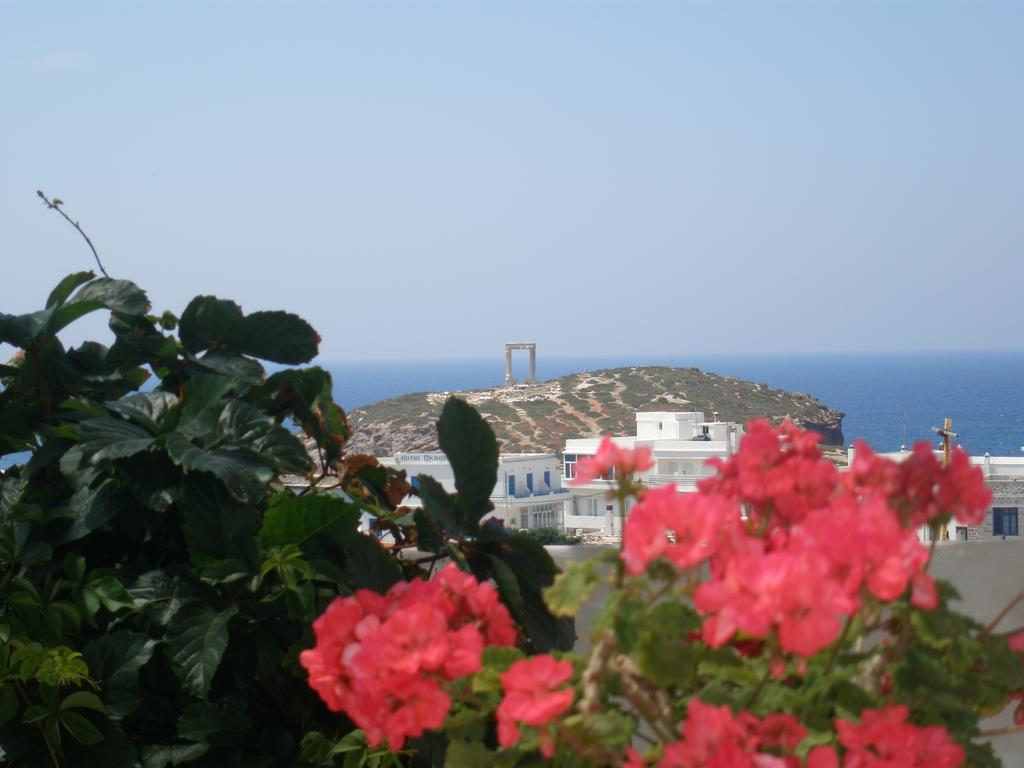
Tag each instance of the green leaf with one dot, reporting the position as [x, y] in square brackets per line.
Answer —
[202, 403]
[522, 568]
[80, 729]
[472, 449]
[66, 286]
[92, 508]
[196, 642]
[242, 471]
[214, 723]
[240, 424]
[114, 661]
[243, 369]
[369, 566]
[21, 330]
[145, 408]
[280, 337]
[110, 592]
[9, 703]
[83, 700]
[571, 589]
[466, 754]
[439, 506]
[162, 755]
[207, 321]
[102, 293]
[293, 519]
[109, 438]
[217, 527]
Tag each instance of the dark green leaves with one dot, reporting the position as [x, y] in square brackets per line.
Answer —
[472, 449]
[207, 322]
[281, 337]
[114, 661]
[196, 641]
[293, 519]
[100, 293]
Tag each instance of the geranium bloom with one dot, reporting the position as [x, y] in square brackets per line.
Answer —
[791, 591]
[884, 738]
[778, 472]
[714, 738]
[382, 659]
[919, 487]
[682, 527]
[533, 697]
[610, 459]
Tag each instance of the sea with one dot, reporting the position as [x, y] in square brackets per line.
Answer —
[889, 400]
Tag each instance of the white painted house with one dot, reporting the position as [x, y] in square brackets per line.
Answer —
[529, 492]
[681, 443]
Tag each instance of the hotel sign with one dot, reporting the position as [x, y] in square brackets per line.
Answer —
[421, 458]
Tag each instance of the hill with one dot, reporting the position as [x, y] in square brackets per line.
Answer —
[539, 417]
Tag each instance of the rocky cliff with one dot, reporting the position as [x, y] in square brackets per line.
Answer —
[539, 417]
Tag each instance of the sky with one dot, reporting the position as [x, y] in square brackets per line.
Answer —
[434, 179]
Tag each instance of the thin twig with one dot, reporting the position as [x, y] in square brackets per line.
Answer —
[1002, 731]
[1002, 615]
[55, 205]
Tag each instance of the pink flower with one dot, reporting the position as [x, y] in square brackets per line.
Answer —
[1017, 642]
[822, 757]
[611, 458]
[714, 738]
[682, 527]
[883, 738]
[791, 591]
[532, 696]
[382, 659]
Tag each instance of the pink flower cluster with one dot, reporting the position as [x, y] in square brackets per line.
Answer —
[814, 544]
[383, 659]
[713, 737]
[534, 697]
[611, 460]
[884, 738]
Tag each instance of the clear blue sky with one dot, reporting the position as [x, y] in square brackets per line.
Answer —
[437, 178]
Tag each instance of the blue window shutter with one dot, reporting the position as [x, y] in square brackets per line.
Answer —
[547, 479]
[414, 481]
[511, 485]
[529, 481]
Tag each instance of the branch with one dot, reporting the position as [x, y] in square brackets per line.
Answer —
[1002, 615]
[55, 205]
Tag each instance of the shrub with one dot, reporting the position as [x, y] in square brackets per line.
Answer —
[158, 578]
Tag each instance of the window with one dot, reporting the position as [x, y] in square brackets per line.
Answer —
[569, 461]
[511, 485]
[1004, 521]
[529, 481]
[547, 479]
[414, 481]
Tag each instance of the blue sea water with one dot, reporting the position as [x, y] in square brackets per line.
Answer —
[888, 399]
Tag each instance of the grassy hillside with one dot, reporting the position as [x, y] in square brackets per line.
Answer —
[540, 417]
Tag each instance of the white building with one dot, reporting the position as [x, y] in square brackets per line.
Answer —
[681, 443]
[1004, 475]
[529, 492]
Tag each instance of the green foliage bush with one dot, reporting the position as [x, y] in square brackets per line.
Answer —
[158, 578]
